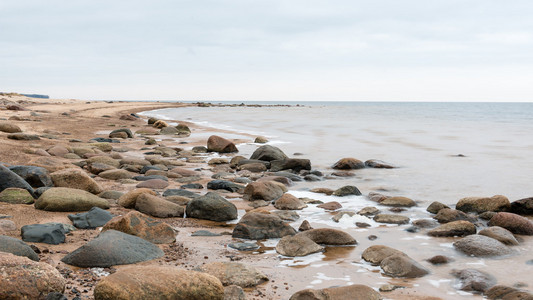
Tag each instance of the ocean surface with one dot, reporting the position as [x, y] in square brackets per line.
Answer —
[443, 152]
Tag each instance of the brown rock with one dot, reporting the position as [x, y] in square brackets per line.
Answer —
[138, 224]
[376, 254]
[305, 226]
[522, 206]
[455, 228]
[323, 191]
[232, 273]
[219, 144]
[401, 265]
[398, 202]
[288, 201]
[9, 128]
[329, 236]
[297, 245]
[116, 174]
[435, 207]
[482, 204]
[354, 291]
[332, 205]
[153, 184]
[76, 179]
[501, 234]
[348, 164]
[391, 219]
[129, 199]
[446, 215]
[118, 135]
[512, 222]
[264, 190]
[158, 207]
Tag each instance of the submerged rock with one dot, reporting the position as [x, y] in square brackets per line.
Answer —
[472, 280]
[348, 164]
[288, 201]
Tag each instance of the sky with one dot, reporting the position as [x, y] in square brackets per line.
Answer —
[301, 50]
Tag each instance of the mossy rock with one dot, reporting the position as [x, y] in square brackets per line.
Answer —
[16, 196]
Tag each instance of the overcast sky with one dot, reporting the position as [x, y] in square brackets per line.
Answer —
[385, 50]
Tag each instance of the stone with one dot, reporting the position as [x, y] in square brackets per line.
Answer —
[368, 211]
[325, 191]
[6, 225]
[127, 131]
[95, 217]
[97, 168]
[180, 192]
[281, 179]
[347, 191]
[35, 176]
[265, 190]
[234, 292]
[158, 282]
[205, 233]
[66, 199]
[482, 204]
[446, 215]
[354, 291]
[58, 150]
[52, 233]
[160, 124]
[329, 236]
[435, 207]
[253, 167]
[338, 216]
[184, 172]
[211, 206]
[9, 179]
[244, 246]
[23, 137]
[104, 160]
[183, 129]
[507, 293]
[150, 177]
[261, 140]
[17, 247]
[9, 128]
[258, 226]
[378, 164]
[233, 273]
[140, 225]
[501, 234]
[158, 207]
[23, 278]
[168, 131]
[134, 161]
[221, 145]
[401, 265]
[482, 246]
[111, 195]
[289, 175]
[348, 164]
[129, 199]
[391, 219]
[455, 228]
[224, 185]
[312, 178]
[472, 280]
[438, 260]
[332, 205]
[512, 222]
[295, 164]
[113, 248]
[398, 202]
[288, 201]
[377, 253]
[297, 245]
[75, 179]
[16, 196]
[268, 153]
[157, 184]
[522, 206]
[305, 226]
[196, 186]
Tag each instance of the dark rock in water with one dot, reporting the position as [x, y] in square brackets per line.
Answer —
[439, 260]
[23, 137]
[150, 177]
[268, 153]
[104, 140]
[297, 245]
[138, 224]
[377, 253]
[244, 161]
[95, 217]
[258, 226]
[205, 233]
[180, 192]
[378, 164]
[224, 185]
[35, 176]
[354, 291]
[192, 186]
[17, 247]
[113, 248]
[125, 130]
[44, 233]
[522, 206]
[487, 215]
[482, 204]
[435, 207]
[455, 228]
[295, 164]
[346, 191]
[472, 280]
[219, 144]
[362, 225]
[348, 164]
[244, 246]
[10, 179]
[512, 222]
[329, 236]
[211, 206]
[482, 246]
[286, 181]
[332, 205]
[312, 178]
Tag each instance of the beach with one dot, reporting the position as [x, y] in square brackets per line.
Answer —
[71, 124]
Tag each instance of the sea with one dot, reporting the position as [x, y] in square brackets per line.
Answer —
[442, 151]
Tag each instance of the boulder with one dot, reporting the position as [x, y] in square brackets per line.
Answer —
[51, 233]
[234, 273]
[129, 199]
[377, 253]
[58, 150]
[522, 206]
[219, 144]
[66, 199]
[401, 265]
[9, 128]
[211, 206]
[268, 153]
[157, 184]
[325, 191]
[501, 234]
[23, 136]
[512, 222]
[95, 217]
[455, 228]
[183, 130]
[7, 225]
[17, 247]
[295, 164]
[258, 226]
[297, 245]
[23, 278]
[261, 140]
[75, 179]
[435, 207]
[35, 176]
[348, 164]
[181, 193]
[158, 282]
[347, 191]
[138, 224]
[113, 248]
[288, 201]
[264, 190]
[116, 133]
[482, 204]
[391, 219]
[9, 179]
[329, 236]
[97, 168]
[354, 291]
[158, 207]
[397, 202]
[332, 205]
[446, 215]
[507, 293]
[116, 174]
[224, 185]
[378, 164]
[482, 246]
[16, 196]
[472, 280]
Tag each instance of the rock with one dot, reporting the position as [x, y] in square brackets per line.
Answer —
[287, 215]
[233, 273]
[507, 293]
[224, 185]
[9, 128]
[6, 225]
[347, 191]
[289, 175]
[95, 217]
[446, 215]
[140, 225]
[354, 291]
[158, 207]
[305, 226]
[211, 206]
[472, 280]
[75, 179]
[219, 144]
[391, 219]
[286, 181]
[183, 129]
[258, 226]
[312, 178]
[23, 137]
[17, 247]
[332, 205]
[234, 292]
[397, 202]
[158, 282]
[196, 186]
[113, 248]
[288, 201]
[134, 161]
[455, 228]
[66, 199]
[128, 132]
[501, 234]
[35, 176]
[116, 174]
[295, 164]
[265, 190]
[401, 265]
[9, 179]
[368, 211]
[23, 278]
[16, 196]
[157, 184]
[180, 192]
[168, 131]
[348, 164]
[52, 233]
[111, 195]
[128, 118]
[150, 177]
[522, 206]
[338, 216]
[512, 222]
[297, 245]
[377, 253]
[435, 207]
[378, 164]
[160, 124]
[97, 168]
[439, 260]
[482, 204]
[323, 191]
[129, 199]
[268, 153]
[244, 246]
[253, 167]
[329, 236]
[261, 140]
[205, 233]
[481, 246]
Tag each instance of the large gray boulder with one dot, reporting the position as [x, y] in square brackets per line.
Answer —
[95, 217]
[211, 206]
[66, 199]
[35, 176]
[15, 246]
